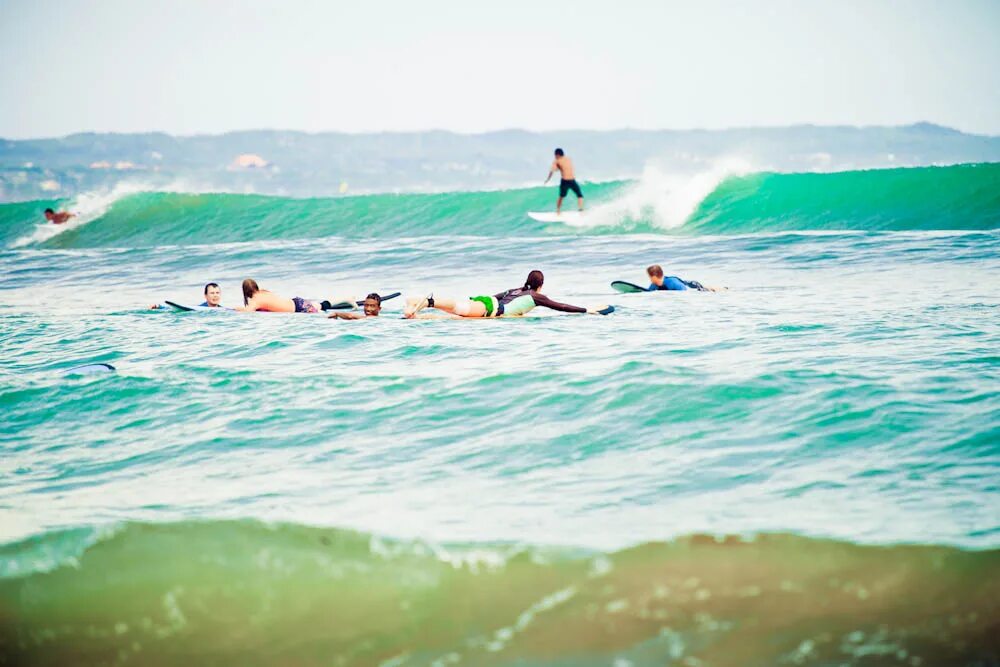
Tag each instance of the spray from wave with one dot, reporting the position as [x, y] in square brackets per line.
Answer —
[86, 207]
[663, 198]
[93, 205]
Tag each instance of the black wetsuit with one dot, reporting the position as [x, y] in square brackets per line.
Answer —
[505, 298]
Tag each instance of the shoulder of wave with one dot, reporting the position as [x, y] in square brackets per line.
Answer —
[848, 168]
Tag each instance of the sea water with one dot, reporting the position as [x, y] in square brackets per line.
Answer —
[800, 469]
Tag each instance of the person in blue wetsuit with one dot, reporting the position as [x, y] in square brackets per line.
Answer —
[660, 282]
[213, 298]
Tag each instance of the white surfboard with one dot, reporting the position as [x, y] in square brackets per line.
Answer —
[567, 217]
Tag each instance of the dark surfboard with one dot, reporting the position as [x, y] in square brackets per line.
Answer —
[626, 287]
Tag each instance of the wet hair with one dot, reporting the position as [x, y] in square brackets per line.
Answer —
[534, 280]
[210, 285]
[375, 296]
[250, 288]
[559, 152]
[655, 271]
[49, 210]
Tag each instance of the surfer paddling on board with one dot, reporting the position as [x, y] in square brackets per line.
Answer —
[567, 180]
[58, 218]
[513, 302]
[256, 299]
[372, 305]
[660, 282]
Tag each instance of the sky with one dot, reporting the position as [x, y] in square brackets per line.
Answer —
[209, 66]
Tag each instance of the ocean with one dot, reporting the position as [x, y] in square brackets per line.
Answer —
[802, 469]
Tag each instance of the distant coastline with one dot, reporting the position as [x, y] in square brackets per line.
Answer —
[305, 164]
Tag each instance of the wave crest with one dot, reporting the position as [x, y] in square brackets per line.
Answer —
[728, 198]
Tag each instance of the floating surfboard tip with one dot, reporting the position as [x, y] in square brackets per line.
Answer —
[178, 306]
[626, 287]
[90, 369]
[384, 298]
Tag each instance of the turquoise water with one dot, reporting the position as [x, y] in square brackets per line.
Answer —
[844, 387]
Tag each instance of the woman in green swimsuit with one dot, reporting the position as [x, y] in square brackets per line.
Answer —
[513, 302]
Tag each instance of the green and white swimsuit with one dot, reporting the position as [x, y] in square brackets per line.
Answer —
[516, 302]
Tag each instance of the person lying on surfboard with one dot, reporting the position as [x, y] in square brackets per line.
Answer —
[513, 302]
[213, 298]
[257, 299]
[661, 282]
[372, 306]
[567, 180]
[58, 218]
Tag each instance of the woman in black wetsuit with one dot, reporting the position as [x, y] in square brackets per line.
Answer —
[513, 302]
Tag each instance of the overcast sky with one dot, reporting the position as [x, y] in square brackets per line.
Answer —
[207, 66]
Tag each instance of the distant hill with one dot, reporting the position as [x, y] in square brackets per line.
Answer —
[302, 164]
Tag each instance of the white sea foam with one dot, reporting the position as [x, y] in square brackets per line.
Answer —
[664, 198]
[89, 206]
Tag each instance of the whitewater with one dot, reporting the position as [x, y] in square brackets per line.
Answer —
[801, 469]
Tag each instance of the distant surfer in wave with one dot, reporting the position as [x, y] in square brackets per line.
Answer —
[567, 180]
[660, 282]
[372, 307]
[513, 302]
[58, 218]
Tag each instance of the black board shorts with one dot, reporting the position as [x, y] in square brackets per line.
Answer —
[565, 186]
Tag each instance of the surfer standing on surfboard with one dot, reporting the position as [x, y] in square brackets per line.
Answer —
[567, 181]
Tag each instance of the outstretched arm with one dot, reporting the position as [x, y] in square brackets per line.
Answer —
[542, 300]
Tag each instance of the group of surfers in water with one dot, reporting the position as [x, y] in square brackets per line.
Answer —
[509, 303]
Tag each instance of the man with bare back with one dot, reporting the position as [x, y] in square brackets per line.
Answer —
[58, 218]
[567, 180]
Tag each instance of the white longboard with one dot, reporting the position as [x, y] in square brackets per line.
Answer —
[567, 217]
